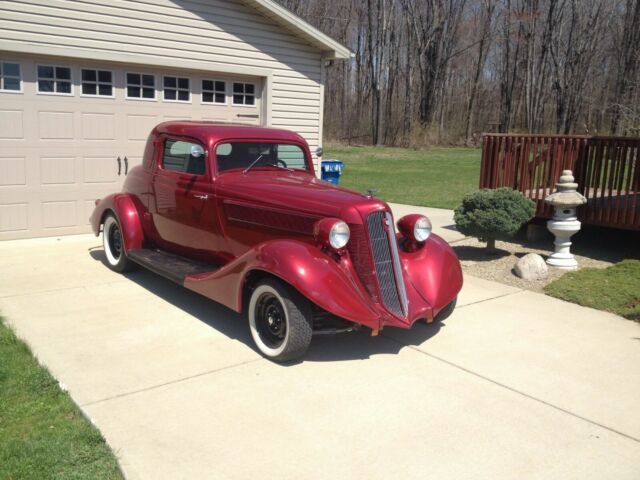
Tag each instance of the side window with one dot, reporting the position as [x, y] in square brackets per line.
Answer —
[184, 157]
[10, 78]
[97, 83]
[292, 156]
[52, 79]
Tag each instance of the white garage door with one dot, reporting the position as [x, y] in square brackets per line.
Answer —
[70, 131]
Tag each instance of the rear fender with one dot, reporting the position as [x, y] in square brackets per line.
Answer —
[124, 207]
[434, 271]
[314, 274]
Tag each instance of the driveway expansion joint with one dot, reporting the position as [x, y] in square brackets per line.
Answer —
[171, 382]
[489, 299]
[516, 391]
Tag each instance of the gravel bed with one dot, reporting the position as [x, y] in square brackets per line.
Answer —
[594, 247]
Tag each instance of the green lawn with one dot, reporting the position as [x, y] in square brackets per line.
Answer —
[43, 434]
[615, 289]
[433, 177]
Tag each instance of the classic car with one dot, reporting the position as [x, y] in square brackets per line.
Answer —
[237, 214]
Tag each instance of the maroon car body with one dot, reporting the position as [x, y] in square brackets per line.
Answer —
[245, 224]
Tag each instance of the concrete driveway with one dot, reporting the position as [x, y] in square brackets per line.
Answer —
[513, 385]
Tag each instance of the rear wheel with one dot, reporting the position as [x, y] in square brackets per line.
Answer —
[113, 244]
[280, 320]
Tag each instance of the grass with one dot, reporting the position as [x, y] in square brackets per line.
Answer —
[433, 177]
[615, 289]
[43, 434]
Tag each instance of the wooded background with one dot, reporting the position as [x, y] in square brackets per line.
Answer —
[444, 71]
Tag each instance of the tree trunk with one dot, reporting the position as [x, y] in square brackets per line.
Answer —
[491, 246]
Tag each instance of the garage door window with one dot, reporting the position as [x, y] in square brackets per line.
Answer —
[141, 86]
[244, 93]
[214, 91]
[54, 80]
[98, 83]
[177, 89]
[184, 157]
[10, 80]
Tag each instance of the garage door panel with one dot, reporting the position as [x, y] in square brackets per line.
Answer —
[11, 124]
[139, 126]
[102, 169]
[59, 214]
[55, 125]
[57, 170]
[98, 126]
[14, 217]
[13, 171]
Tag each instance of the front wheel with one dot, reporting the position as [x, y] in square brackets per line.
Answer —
[280, 320]
[113, 244]
[446, 311]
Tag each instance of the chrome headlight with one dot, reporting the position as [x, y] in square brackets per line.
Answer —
[332, 232]
[339, 235]
[415, 227]
[422, 229]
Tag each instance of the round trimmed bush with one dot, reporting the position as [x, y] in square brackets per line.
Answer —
[493, 214]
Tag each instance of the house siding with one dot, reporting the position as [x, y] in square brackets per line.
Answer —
[215, 35]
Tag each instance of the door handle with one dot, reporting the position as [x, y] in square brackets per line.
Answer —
[126, 165]
[201, 197]
[119, 165]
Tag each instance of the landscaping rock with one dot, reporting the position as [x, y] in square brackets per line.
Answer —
[531, 267]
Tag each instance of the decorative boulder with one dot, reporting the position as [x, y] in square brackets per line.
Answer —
[531, 267]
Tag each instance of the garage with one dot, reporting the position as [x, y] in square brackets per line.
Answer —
[82, 85]
[85, 125]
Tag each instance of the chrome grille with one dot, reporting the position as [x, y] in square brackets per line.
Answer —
[386, 262]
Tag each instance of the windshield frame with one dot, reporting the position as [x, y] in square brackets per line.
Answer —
[309, 168]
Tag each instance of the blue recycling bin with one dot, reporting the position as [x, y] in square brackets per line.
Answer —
[330, 170]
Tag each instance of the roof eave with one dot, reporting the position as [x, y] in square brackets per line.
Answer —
[330, 48]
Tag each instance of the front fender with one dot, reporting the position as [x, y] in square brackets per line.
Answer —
[124, 206]
[434, 271]
[314, 274]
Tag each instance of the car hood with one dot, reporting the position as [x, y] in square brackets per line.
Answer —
[297, 191]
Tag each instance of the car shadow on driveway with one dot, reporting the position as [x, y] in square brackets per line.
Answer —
[357, 345]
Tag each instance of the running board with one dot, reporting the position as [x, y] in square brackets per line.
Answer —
[171, 266]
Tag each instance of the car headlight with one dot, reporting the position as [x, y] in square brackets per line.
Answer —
[332, 232]
[415, 227]
[339, 235]
[422, 229]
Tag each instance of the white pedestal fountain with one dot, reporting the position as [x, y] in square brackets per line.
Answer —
[564, 223]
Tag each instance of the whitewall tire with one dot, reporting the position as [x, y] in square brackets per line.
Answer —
[280, 320]
[113, 244]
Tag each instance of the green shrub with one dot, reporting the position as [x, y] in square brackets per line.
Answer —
[491, 215]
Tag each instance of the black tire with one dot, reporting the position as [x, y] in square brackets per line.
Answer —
[446, 311]
[113, 245]
[280, 320]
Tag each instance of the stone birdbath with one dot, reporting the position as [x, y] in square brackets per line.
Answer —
[564, 223]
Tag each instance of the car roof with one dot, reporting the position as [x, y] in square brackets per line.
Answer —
[211, 132]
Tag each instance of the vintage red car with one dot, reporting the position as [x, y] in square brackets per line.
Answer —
[237, 214]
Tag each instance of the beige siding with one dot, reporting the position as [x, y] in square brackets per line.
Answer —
[216, 35]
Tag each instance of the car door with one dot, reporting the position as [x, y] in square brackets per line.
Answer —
[181, 205]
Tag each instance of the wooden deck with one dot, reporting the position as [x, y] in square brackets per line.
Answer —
[607, 170]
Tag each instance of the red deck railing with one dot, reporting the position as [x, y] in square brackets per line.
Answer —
[607, 170]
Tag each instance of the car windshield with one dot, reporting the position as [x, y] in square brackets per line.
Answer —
[250, 155]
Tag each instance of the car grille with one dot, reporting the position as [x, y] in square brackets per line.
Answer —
[381, 260]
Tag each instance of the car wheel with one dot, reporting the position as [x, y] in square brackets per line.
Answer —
[113, 244]
[446, 311]
[280, 320]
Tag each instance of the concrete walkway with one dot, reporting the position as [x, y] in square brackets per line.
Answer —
[514, 385]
